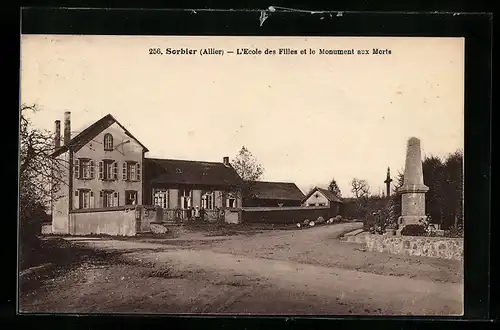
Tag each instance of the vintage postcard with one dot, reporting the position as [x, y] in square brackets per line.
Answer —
[241, 175]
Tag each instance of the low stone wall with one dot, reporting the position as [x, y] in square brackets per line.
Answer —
[435, 247]
[283, 215]
[233, 216]
[117, 221]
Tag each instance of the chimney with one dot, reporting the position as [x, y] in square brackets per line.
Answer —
[225, 160]
[67, 127]
[57, 137]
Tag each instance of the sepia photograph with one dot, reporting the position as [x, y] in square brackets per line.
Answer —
[238, 175]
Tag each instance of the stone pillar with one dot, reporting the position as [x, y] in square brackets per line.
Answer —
[387, 182]
[413, 189]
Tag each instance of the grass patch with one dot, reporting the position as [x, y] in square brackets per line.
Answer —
[232, 283]
[63, 257]
[163, 272]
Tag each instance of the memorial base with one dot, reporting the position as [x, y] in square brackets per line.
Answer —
[406, 220]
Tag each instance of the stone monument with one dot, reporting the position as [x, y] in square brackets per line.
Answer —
[413, 189]
[387, 182]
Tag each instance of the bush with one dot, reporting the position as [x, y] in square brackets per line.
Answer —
[369, 221]
[413, 230]
[454, 232]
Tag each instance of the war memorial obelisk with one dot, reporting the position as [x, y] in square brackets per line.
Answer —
[413, 189]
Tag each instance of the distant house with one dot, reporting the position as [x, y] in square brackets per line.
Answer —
[105, 169]
[183, 184]
[323, 197]
[269, 194]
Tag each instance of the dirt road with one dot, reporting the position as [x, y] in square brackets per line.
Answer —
[279, 272]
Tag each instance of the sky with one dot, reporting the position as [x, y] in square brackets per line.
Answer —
[305, 118]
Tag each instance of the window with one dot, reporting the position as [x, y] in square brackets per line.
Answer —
[130, 197]
[109, 198]
[85, 199]
[231, 201]
[321, 204]
[131, 171]
[161, 198]
[186, 196]
[83, 169]
[108, 142]
[207, 200]
[108, 170]
[312, 204]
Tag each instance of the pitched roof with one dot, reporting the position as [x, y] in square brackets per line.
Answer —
[91, 132]
[276, 190]
[176, 171]
[327, 193]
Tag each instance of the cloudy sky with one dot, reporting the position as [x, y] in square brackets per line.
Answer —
[306, 118]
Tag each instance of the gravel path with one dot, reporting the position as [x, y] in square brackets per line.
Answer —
[280, 272]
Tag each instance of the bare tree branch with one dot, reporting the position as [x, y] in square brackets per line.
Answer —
[40, 174]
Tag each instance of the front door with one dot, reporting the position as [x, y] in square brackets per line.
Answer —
[186, 203]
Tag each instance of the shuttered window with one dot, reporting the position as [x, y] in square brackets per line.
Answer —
[131, 171]
[109, 198]
[108, 170]
[83, 168]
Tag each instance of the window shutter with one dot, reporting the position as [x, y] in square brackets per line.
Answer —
[101, 170]
[115, 199]
[124, 171]
[92, 169]
[76, 169]
[91, 199]
[101, 203]
[138, 172]
[115, 171]
[76, 200]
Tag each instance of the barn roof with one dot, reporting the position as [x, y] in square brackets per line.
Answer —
[276, 190]
[176, 171]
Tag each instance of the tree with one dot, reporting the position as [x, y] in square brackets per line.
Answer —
[433, 169]
[40, 174]
[334, 188]
[360, 188]
[453, 177]
[395, 200]
[361, 191]
[247, 166]
[249, 170]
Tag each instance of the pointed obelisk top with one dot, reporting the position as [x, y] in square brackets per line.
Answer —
[413, 176]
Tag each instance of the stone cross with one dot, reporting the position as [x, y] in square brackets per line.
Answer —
[413, 189]
[387, 182]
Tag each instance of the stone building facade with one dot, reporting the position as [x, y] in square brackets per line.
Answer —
[181, 187]
[102, 168]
